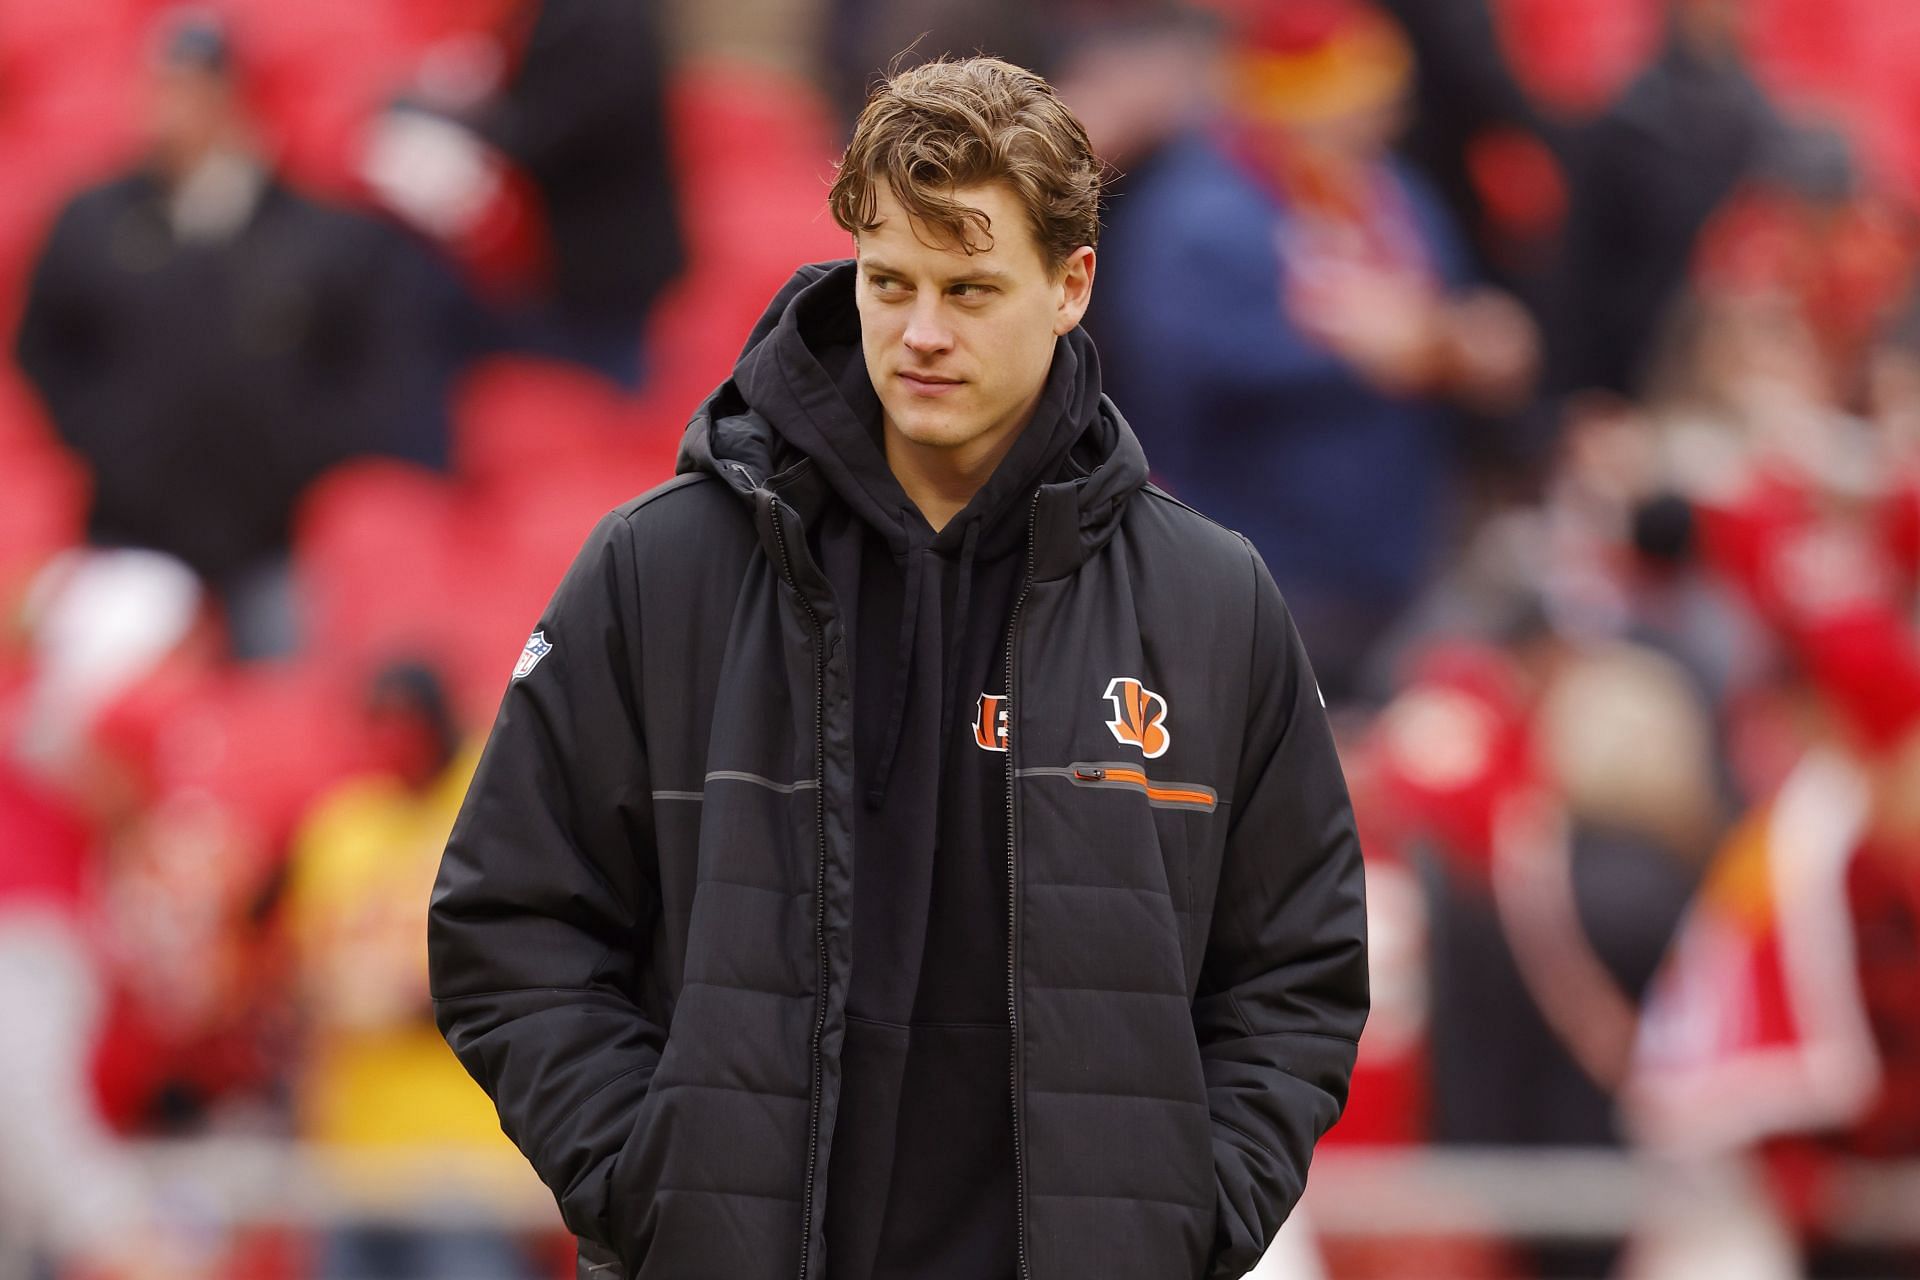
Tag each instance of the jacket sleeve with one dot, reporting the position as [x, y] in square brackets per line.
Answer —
[542, 912]
[61, 342]
[1283, 993]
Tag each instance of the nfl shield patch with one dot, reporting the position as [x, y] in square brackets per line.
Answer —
[537, 648]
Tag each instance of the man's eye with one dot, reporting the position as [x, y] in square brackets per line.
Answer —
[972, 290]
[884, 284]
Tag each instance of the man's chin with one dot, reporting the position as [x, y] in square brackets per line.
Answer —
[935, 430]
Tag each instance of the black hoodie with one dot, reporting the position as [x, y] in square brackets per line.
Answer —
[922, 1174]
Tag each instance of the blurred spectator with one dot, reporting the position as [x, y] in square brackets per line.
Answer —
[64, 1175]
[1290, 323]
[208, 341]
[99, 621]
[1730, 516]
[1647, 176]
[94, 625]
[1138, 76]
[188, 968]
[1784, 1031]
[1557, 803]
[539, 156]
[376, 1074]
[864, 38]
[1499, 162]
[1494, 157]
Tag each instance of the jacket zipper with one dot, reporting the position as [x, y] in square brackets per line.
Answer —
[820, 882]
[1013, 910]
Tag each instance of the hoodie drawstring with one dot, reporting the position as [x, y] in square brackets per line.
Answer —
[903, 655]
[957, 631]
[902, 667]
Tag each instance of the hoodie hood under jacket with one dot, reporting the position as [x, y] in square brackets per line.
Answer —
[732, 436]
[802, 374]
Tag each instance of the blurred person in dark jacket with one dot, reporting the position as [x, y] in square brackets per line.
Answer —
[1140, 73]
[1646, 178]
[1557, 800]
[538, 156]
[860, 35]
[1292, 313]
[208, 341]
[1494, 156]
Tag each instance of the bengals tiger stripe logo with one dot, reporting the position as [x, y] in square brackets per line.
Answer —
[990, 722]
[1139, 716]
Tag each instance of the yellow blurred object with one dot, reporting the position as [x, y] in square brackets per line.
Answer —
[378, 1074]
[404, 1089]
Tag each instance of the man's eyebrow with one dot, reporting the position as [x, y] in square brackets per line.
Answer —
[985, 275]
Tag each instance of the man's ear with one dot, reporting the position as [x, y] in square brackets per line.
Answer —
[1076, 289]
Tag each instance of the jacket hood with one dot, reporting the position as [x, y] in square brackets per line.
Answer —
[798, 419]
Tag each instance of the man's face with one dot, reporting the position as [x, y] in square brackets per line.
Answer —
[189, 112]
[958, 344]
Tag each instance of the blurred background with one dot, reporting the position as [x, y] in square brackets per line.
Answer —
[1561, 357]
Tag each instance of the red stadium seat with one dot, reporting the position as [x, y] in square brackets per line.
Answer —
[43, 489]
[515, 546]
[754, 153]
[515, 419]
[374, 550]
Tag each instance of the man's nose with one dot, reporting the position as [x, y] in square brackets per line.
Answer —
[927, 332]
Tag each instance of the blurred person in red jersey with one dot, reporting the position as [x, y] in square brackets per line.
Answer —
[93, 625]
[1746, 410]
[1756, 459]
[375, 1075]
[1292, 314]
[208, 341]
[129, 705]
[1783, 1032]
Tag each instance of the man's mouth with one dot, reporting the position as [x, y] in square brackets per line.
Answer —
[928, 384]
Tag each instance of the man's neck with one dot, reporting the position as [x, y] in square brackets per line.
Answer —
[941, 482]
[212, 199]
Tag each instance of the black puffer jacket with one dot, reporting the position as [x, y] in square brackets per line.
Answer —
[640, 934]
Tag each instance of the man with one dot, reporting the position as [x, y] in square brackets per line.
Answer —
[910, 843]
[208, 341]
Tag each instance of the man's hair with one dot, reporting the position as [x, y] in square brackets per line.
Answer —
[947, 124]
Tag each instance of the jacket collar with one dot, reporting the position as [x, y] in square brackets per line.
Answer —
[1075, 517]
